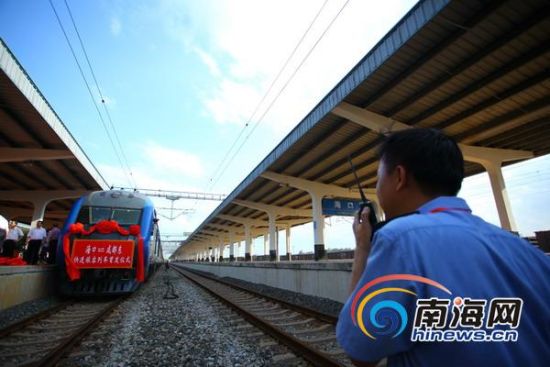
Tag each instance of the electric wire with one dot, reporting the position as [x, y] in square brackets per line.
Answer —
[115, 133]
[87, 87]
[256, 109]
[281, 91]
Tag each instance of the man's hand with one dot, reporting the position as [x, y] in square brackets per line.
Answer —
[362, 230]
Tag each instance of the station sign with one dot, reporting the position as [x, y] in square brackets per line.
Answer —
[101, 254]
[341, 207]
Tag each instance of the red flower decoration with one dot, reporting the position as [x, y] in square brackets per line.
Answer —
[106, 226]
[76, 228]
[135, 229]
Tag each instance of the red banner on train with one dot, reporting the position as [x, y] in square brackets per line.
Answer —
[96, 254]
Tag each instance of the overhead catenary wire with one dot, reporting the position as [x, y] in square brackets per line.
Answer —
[88, 88]
[258, 105]
[115, 133]
[260, 119]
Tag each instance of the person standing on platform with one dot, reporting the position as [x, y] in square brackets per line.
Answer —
[436, 285]
[51, 242]
[14, 235]
[35, 239]
[3, 232]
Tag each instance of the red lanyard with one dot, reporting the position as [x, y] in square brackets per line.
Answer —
[442, 209]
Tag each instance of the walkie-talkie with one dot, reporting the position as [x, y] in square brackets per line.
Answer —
[366, 202]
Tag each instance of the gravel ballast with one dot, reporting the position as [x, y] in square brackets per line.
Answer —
[22, 311]
[151, 330]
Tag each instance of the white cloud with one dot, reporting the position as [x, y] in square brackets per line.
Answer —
[115, 26]
[174, 161]
[209, 61]
[232, 102]
[245, 43]
[158, 167]
[259, 36]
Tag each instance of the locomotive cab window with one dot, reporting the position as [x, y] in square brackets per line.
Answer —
[92, 215]
[126, 216]
[84, 215]
[97, 214]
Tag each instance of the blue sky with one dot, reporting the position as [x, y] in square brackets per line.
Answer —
[181, 79]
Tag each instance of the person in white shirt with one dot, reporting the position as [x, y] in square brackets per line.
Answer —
[35, 238]
[14, 235]
[3, 232]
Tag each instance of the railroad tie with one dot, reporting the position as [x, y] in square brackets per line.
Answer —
[321, 339]
[299, 322]
[316, 330]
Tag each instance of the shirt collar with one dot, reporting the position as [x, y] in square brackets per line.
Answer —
[444, 202]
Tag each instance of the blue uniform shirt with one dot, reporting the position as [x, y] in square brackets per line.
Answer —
[443, 255]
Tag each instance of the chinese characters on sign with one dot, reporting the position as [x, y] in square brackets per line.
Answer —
[89, 254]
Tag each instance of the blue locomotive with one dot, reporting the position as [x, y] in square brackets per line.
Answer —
[110, 244]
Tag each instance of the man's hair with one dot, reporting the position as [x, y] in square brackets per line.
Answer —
[434, 159]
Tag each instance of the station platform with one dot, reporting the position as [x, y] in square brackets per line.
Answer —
[325, 279]
[19, 284]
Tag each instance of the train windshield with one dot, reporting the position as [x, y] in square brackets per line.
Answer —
[94, 214]
[126, 216]
[97, 214]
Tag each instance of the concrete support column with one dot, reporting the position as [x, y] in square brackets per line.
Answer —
[266, 244]
[500, 194]
[211, 252]
[248, 243]
[39, 199]
[231, 247]
[38, 211]
[318, 226]
[272, 212]
[231, 252]
[221, 249]
[272, 237]
[317, 191]
[288, 249]
[490, 158]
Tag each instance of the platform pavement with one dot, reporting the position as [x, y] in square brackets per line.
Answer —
[325, 279]
[19, 284]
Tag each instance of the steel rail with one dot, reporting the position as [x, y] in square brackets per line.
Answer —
[51, 358]
[303, 350]
[16, 326]
[302, 309]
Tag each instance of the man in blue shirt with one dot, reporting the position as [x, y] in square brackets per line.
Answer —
[438, 286]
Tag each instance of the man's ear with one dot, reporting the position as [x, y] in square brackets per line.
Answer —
[400, 173]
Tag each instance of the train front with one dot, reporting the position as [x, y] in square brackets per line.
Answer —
[106, 244]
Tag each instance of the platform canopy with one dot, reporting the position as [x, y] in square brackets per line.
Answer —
[477, 70]
[41, 163]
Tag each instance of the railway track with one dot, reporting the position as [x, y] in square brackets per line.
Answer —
[309, 334]
[45, 338]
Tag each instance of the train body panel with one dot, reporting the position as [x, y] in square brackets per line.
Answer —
[105, 219]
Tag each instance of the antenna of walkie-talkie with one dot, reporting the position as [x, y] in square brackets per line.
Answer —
[366, 202]
[363, 197]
